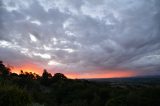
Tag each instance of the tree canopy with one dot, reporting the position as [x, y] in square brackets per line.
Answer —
[31, 89]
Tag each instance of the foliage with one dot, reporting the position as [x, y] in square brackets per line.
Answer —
[13, 96]
[4, 71]
[45, 80]
[30, 89]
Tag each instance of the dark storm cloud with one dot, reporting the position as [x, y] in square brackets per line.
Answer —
[82, 35]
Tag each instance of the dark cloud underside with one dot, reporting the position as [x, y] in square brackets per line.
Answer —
[82, 35]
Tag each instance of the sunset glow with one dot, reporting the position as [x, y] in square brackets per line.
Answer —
[111, 74]
[81, 38]
[27, 68]
[80, 52]
[97, 74]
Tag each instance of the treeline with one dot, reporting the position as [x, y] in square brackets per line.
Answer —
[31, 89]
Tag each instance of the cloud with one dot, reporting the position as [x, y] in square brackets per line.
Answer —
[82, 35]
[32, 37]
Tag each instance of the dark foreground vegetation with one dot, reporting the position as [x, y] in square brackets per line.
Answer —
[30, 89]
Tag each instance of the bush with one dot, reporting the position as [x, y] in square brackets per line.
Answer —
[36, 104]
[13, 96]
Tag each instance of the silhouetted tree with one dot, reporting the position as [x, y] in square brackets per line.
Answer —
[28, 88]
[46, 75]
[59, 76]
[4, 71]
[26, 79]
[29, 75]
[45, 80]
[14, 76]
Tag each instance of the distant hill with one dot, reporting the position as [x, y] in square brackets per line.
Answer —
[139, 80]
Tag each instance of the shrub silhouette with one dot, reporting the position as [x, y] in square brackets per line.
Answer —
[45, 79]
[13, 96]
[4, 71]
[59, 76]
[30, 89]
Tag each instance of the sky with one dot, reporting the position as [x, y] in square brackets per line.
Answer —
[81, 38]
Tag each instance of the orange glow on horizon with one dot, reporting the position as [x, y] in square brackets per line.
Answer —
[28, 68]
[93, 74]
[109, 74]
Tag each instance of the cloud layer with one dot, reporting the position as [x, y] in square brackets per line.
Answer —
[82, 35]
